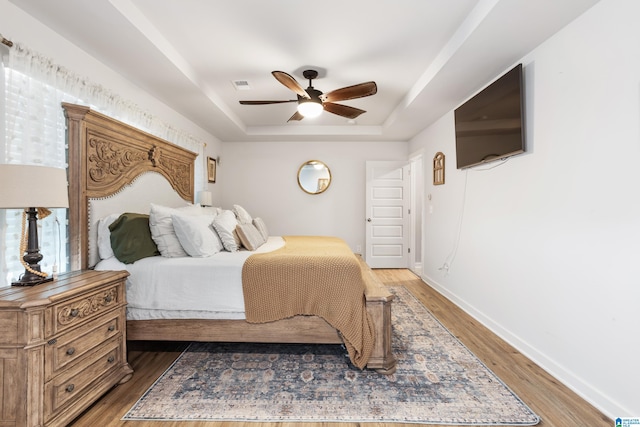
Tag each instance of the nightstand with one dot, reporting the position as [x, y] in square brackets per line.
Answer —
[62, 346]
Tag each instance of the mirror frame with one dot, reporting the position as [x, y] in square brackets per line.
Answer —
[310, 163]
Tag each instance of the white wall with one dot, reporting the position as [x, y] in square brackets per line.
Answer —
[548, 253]
[19, 27]
[261, 177]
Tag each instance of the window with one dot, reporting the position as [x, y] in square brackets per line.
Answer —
[34, 133]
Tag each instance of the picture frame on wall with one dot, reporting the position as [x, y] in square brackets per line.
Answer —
[211, 169]
[438, 168]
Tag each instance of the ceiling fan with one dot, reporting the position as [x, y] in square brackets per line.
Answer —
[311, 102]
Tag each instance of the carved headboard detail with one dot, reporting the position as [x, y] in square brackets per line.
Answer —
[106, 155]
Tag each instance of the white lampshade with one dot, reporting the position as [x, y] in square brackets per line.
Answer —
[206, 199]
[26, 186]
[310, 108]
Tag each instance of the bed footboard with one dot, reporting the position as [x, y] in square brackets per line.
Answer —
[299, 329]
[378, 302]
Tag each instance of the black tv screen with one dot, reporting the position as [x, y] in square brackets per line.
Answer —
[490, 126]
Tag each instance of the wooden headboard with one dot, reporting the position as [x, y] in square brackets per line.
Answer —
[105, 155]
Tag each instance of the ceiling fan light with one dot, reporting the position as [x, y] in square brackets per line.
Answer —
[310, 108]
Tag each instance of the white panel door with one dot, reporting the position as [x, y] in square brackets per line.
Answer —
[387, 210]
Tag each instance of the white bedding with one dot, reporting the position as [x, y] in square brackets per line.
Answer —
[187, 288]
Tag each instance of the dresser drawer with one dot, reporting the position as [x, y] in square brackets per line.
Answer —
[70, 313]
[73, 345]
[77, 380]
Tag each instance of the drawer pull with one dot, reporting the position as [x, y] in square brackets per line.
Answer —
[69, 388]
[70, 351]
[52, 342]
[74, 312]
[111, 328]
[108, 299]
[111, 359]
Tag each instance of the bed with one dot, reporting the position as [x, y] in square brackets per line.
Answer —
[115, 168]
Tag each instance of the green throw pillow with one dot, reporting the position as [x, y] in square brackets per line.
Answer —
[131, 238]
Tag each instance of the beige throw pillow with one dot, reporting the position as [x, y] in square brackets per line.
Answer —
[249, 236]
[262, 228]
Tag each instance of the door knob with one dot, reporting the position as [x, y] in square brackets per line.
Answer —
[368, 219]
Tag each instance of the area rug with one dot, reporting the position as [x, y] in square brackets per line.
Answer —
[437, 381]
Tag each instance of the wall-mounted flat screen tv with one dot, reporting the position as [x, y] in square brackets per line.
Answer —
[490, 126]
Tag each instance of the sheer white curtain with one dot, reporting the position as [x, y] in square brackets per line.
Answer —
[34, 88]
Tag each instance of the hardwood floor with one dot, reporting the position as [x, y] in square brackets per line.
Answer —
[555, 403]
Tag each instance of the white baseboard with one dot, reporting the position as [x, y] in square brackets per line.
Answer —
[417, 269]
[585, 390]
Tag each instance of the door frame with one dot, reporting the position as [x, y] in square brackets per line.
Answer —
[416, 227]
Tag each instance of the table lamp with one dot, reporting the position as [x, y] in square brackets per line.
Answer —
[32, 188]
[206, 198]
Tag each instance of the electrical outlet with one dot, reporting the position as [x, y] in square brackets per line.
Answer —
[358, 249]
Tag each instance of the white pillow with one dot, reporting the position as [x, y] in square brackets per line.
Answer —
[211, 210]
[225, 224]
[162, 231]
[104, 236]
[196, 234]
[242, 214]
[262, 228]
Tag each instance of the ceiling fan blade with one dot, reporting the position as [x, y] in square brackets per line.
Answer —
[351, 92]
[290, 82]
[296, 116]
[265, 102]
[343, 110]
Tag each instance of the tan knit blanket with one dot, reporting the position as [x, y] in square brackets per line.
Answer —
[311, 275]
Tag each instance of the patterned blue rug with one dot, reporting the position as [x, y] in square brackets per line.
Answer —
[438, 381]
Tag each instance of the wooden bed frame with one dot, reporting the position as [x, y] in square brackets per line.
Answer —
[106, 155]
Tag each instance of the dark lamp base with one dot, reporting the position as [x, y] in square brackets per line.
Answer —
[32, 281]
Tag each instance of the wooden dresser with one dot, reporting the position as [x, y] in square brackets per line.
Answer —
[62, 346]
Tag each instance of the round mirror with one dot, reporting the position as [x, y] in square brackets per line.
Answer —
[314, 177]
